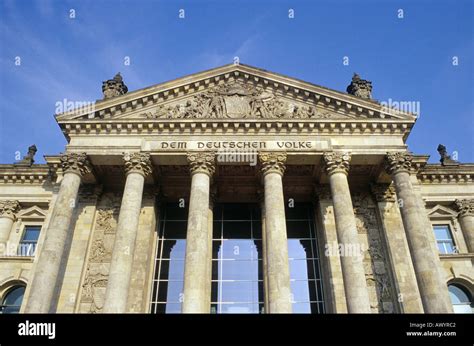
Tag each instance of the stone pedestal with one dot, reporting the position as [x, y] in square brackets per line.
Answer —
[408, 295]
[355, 287]
[137, 167]
[433, 289]
[45, 280]
[8, 209]
[198, 248]
[466, 220]
[276, 243]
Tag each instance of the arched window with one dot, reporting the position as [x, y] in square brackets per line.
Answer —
[12, 301]
[461, 299]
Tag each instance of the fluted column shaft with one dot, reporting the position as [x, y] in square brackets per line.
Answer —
[198, 247]
[466, 220]
[137, 167]
[276, 242]
[8, 209]
[355, 286]
[433, 290]
[45, 279]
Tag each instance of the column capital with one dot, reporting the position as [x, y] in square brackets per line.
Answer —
[202, 162]
[465, 207]
[77, 163]
[383, 192]
[336, 162]
[398, 162]
[9, 208]
[137, 163]
[272, 162]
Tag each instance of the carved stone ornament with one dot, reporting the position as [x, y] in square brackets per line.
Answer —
[398, 162]
[28, 159]
[360, 87]
[137, 163]
[114, 87]
[75, 163]
[446, 159]
[272, 162]
[337, 162]
[235, 100]
[465, 207]
[384, 192]
[9, 209]
[323, 192]
[201, 162]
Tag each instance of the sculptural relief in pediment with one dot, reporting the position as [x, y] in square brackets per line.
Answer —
[237, 101]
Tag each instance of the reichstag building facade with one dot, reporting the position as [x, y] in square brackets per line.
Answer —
[236, 190]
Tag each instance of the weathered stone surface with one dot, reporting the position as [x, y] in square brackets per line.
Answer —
[276, 244]
[198, 247]
[466, 219]
[425, 263]
[137, 166]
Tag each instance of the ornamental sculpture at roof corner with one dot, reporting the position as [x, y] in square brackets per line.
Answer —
[114, 87]
[28, 159]
[360, 87]
[446, 159]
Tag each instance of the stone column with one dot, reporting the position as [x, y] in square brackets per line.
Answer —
[433, 289]
[137, 167]
[276, 243]
[466, 220]
[198, 249]
[408, 295]
[8, 209]
[355, 286]
[45, 279]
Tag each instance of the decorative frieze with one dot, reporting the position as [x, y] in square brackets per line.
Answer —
[398, 162]
[77, 163]
[202, 162]
[137, 163]
[272, 162]
[336, 162]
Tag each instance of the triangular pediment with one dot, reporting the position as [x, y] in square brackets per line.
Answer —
[235, 92]
[441, 211]
[33, 212]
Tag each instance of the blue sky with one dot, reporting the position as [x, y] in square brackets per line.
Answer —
[407, 59]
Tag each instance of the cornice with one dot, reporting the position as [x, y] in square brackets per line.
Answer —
[438, 174]
[193, 126]
[34, 175]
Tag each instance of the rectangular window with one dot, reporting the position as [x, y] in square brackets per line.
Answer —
[444, 239]
[167, 295]
[305, 273]
[27, 246]
[237, 275]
